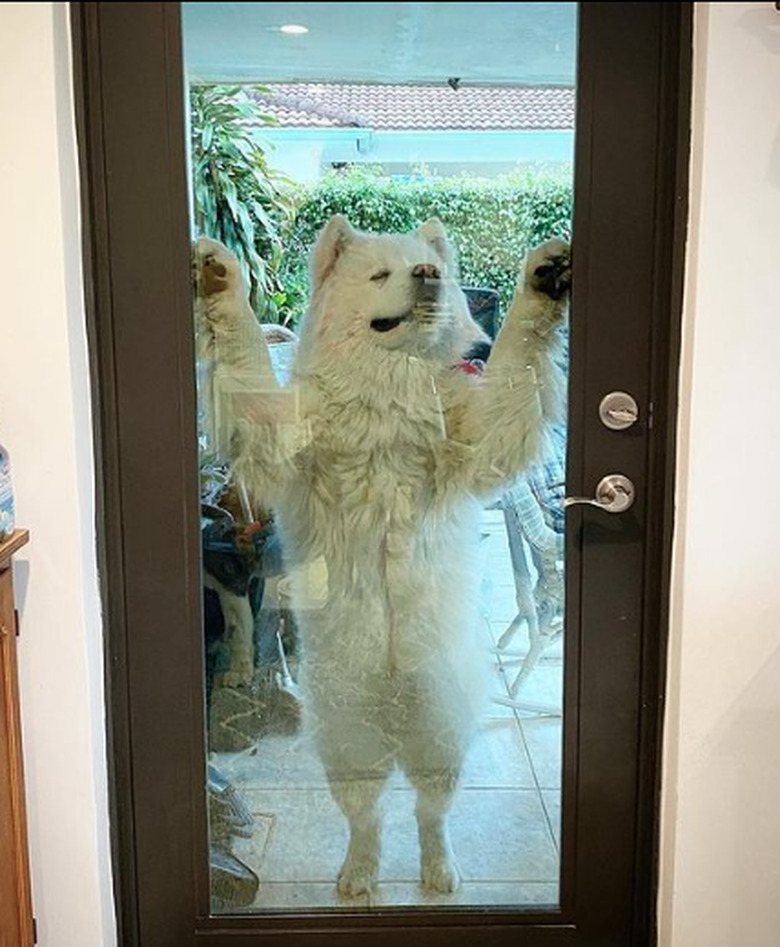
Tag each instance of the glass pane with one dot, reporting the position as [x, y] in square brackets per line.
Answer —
[381, 202]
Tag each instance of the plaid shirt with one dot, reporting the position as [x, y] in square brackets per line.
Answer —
[547, 481]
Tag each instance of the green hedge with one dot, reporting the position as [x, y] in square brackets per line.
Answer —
[491, 221]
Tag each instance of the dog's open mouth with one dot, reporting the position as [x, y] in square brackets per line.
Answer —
[387, 325]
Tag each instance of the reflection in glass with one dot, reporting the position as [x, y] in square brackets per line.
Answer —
[380, 316]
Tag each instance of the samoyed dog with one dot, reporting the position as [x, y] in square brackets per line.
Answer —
[377, 461]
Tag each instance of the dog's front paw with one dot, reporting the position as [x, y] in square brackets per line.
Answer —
[548, 270]
[215, 268]
[440, 875]
[214, 275]
[358, 876]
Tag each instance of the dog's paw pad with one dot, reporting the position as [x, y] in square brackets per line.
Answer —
[548, 271]
[440, 876]
[356, 878]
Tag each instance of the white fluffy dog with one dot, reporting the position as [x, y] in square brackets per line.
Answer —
[376, 467]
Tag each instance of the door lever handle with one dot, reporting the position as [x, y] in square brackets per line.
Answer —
[614, 494]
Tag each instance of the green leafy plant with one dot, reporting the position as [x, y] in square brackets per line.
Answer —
[492, 221]
[239, 198]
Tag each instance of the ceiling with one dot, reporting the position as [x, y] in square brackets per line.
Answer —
[489, 43]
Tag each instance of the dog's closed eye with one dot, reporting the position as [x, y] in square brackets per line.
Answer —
[380, 277]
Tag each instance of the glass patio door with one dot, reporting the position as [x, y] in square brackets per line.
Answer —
[384, 676]
[379, 341]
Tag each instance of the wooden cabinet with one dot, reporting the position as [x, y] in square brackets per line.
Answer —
[16, 921]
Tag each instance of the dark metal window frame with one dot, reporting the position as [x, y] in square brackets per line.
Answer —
[630, 217]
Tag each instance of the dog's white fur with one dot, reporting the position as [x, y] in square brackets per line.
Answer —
[376, 472]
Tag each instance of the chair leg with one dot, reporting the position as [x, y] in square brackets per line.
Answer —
[538, 646]
[524, 522]
[526, 614]
[524, 595]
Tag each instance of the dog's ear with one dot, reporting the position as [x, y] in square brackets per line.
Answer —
[434, 233]
[331, 243]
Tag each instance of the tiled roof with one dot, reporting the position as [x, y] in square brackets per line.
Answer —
[418, 107]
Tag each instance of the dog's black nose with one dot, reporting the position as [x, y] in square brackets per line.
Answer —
[426, 271]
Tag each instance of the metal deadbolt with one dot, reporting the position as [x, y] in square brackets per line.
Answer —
[618, 410]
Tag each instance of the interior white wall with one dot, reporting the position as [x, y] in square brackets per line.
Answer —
[721, 808]
[45, 423]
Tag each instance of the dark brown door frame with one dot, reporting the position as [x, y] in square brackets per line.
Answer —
[630, 217]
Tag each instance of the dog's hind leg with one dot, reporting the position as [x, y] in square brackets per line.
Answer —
[435, 792]
[359, 801]
[434, 771]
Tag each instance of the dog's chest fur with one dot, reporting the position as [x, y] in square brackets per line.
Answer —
[375, 435]
[365, 498]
